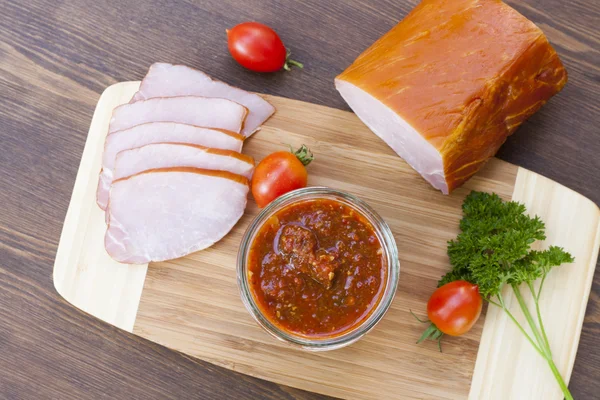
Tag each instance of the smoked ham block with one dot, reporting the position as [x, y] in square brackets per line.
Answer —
[157, 132]
[192, 110]
[168, 213]
[447, 85]
[165, 155]
[167, 80]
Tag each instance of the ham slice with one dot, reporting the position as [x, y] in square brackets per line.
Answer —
[192, 110]
[167, 80]
[448, 84]
[157, 132]
[165, 155]
[168, 213]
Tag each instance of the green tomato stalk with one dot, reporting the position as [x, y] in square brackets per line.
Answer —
[289, 62]
[304, 155]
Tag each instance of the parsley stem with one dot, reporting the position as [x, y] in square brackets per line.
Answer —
[503, 306]
[539, 314]
[559, 379]
[544, 345]
[530, 321]
[541, 286]
[494, 303]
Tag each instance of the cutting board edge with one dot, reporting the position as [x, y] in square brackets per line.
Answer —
[64, 287]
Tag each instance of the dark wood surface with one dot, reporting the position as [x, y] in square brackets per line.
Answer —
[57, 56]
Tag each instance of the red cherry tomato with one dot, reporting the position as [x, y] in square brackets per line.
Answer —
[452, 309]
[279, 173]
[455, 307]
[257, 47]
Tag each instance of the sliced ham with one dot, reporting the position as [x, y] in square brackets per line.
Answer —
[447, 85]
[165, 155]
[167, 80]
[192, 110]
[157, 132]
[168, 213]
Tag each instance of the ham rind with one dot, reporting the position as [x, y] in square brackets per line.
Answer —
[448, 85]
[192, 110]
[167, 80]
[158, 132]
[168, 213]
[165, 155]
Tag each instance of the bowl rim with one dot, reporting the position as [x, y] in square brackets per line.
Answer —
[385, 237]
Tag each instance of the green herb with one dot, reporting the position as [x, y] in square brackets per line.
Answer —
[493, 250]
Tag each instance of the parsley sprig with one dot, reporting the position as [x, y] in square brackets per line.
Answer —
[494, 249]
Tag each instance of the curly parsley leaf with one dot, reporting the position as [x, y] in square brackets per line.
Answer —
[494, 246]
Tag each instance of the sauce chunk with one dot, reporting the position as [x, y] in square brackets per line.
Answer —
[316, 268]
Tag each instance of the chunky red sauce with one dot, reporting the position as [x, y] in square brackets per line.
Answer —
[316, 268]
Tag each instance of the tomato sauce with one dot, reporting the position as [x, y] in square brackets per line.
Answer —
[316, 268]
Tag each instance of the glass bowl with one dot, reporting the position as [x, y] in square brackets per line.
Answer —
[390, 251]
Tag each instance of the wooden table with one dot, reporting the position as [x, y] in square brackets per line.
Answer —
[56, 57]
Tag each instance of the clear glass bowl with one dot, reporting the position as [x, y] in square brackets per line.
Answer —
[385, 237]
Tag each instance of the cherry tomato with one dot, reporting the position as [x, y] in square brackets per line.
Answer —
[455, 307]
[279, 173]
[257, 47]
[452, 309]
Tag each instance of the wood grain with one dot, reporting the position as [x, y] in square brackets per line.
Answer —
[192, 304]
[56, 57]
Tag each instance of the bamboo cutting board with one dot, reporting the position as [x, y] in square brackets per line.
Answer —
[193, 304]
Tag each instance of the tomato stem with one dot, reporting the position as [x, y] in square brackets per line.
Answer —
[432, 332]
[303, 154]
[429, 332]
[294, 63]
[417, 318]
[289, 61]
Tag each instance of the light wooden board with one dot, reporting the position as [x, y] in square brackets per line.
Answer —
[193, 305]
